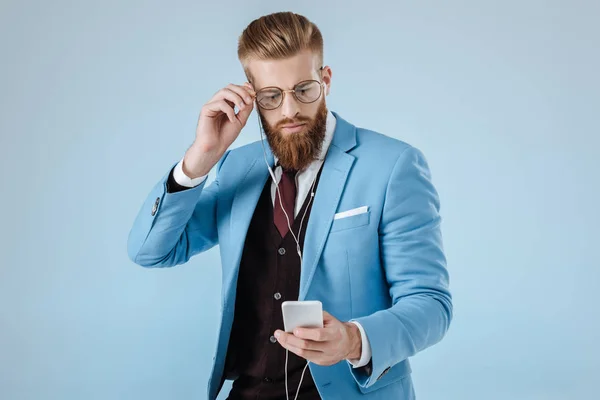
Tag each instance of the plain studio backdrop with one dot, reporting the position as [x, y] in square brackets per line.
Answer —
[99, 99]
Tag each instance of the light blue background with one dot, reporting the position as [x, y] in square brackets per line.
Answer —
[98, 99]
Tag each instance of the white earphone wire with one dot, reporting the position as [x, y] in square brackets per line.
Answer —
[312, 195]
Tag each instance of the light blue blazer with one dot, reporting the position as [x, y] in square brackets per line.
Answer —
[384, 268]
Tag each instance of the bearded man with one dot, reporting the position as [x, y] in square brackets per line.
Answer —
[318, 210]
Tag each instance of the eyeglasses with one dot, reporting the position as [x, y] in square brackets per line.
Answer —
[271, 97]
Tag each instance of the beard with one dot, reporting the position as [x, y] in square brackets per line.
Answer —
[297, 150]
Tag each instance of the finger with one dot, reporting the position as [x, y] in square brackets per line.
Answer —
[250, 86]
[243, 91]
[244, 114]
[230, 96]
[253, 91]
[328, 319]
[213, 109]
[310, 355]
[297, 342]
[317, 334]
[242, 97]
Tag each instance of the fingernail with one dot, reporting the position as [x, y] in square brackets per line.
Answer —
[277, 334]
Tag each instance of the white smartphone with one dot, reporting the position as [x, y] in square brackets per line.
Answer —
[303, 314]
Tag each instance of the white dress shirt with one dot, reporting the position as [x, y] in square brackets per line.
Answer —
[304, 181]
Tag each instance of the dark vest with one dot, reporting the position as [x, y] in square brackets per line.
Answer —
[269, 275]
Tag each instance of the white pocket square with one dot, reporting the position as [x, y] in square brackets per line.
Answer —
[350, 213]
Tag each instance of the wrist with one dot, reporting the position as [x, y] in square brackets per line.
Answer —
[355, 341]
[196, 164]
[193, 174]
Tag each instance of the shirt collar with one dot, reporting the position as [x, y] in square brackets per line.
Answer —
[329, 130]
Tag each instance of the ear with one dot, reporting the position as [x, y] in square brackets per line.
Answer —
[327, 79]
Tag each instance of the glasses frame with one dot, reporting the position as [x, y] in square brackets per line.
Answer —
[321, 86]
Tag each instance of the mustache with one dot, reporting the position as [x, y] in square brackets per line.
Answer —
[287, 121]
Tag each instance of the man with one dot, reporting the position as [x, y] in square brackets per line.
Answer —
[323, 211]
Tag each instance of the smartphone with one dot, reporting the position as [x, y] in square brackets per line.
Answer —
[303, 314]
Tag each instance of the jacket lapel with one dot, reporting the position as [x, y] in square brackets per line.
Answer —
[336, 169]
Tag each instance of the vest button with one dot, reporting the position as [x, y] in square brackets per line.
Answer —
[277, 296]
[281, 251]
[267, 379]
[273, 339]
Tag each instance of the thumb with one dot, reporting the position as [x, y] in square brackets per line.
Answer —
[243, 115]
[327, 317]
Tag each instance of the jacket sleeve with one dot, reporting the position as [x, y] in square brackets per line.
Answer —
[415, 269]
[173, 225]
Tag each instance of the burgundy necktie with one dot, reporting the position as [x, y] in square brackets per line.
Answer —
[287, 188]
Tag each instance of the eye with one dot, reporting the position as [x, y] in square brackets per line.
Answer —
[270, 94]
[303, 88]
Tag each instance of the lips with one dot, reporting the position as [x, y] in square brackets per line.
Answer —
[292, 126]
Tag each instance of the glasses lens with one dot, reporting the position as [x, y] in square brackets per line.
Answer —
[269, 98]
[308, 91]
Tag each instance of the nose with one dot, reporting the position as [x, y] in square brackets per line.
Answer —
[290, 107]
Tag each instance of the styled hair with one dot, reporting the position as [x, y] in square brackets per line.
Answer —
[277, 36]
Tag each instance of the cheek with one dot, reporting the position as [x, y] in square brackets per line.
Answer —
[272, 118]
[311, 111]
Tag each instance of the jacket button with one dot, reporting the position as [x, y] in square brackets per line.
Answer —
[281, 251]
[277, 296]
[273, 339]
[155, 207]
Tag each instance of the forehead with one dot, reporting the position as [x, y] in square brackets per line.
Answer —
[284, 73]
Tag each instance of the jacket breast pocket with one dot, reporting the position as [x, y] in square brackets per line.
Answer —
[351, 222]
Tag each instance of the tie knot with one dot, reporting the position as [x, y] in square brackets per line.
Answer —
[287, 171]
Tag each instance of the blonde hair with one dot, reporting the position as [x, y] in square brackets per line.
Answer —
[277, 36]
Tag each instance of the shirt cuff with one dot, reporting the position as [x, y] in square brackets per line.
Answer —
[366, 348]
[184, 180]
